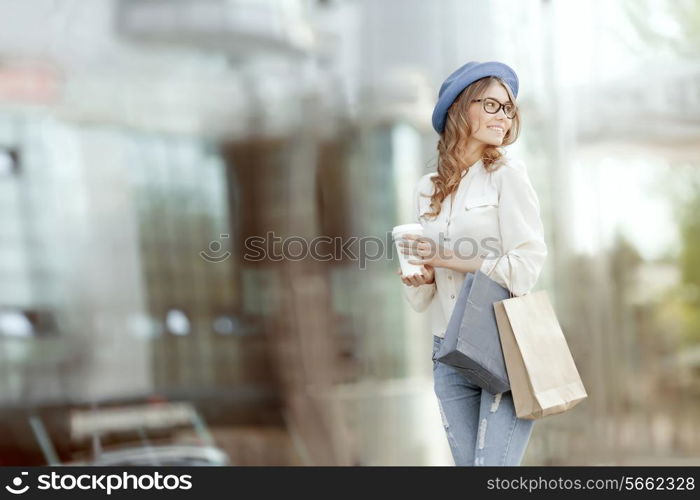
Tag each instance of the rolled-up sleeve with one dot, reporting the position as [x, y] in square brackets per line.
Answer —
[522, 232]
[421, 296]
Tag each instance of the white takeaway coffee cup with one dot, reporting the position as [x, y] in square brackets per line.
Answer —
[397, 235]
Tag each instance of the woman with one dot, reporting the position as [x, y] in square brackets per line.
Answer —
[479, 205]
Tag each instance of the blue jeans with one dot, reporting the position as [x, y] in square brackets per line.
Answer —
[482, 428]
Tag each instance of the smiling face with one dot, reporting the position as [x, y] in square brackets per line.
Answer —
[489, 129]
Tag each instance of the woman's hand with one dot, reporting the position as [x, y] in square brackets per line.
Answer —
[426, 278]
[427, 251]
[430, 253]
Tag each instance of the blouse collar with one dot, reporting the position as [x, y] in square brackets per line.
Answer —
[476, 166]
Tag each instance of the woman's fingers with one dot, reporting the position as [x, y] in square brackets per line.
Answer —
[412, 253]
[404, 279]
[412, 241]
[413, 279]
[417, 280]
[406, 247]
[413, 237]
[417, 249]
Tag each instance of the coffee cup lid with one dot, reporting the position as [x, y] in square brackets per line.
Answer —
[407, 228]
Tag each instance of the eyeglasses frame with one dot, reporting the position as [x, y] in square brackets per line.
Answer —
[500, 106]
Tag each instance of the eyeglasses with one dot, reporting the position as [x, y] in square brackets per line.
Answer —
[492, 106]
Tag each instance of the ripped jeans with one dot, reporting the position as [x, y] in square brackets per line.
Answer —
[482, 428]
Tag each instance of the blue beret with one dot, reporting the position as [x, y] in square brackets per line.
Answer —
[463, 77]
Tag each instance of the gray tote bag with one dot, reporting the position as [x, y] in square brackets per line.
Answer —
[472, 344]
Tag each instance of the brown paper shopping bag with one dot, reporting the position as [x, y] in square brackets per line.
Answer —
[542, 373]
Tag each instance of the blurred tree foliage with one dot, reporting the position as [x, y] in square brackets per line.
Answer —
[683, 302]
[689, 262]
[669, 26]
[672, 28]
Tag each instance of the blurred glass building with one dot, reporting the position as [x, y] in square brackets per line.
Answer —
[144, 145]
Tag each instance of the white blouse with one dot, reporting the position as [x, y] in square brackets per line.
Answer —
[493, 212]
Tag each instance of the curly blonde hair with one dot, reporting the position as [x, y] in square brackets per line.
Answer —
[453, 140]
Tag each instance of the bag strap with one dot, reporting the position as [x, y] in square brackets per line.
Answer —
[510, 273]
